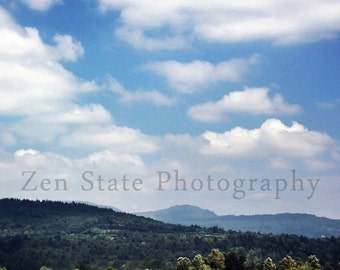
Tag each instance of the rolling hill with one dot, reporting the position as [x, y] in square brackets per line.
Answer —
[287, 223]
[64, 236]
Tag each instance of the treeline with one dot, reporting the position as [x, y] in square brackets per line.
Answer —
[217, 260]
[64, 236]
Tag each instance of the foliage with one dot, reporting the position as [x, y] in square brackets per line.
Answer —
[231, 260]
[216, 259]
[66, 236]
[199, 263]
[313, 262]
[287, 263]
[183, 263]
[269, 264]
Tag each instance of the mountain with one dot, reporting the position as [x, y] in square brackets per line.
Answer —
[287, 223]
[180, 214]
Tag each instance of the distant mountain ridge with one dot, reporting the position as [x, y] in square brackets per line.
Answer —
[183, 213]
[285, 223]
[98, 205]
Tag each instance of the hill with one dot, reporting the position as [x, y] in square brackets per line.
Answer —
[64, 236]
[299, 224]
[180, 214]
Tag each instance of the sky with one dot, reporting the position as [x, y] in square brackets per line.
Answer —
[231, 106]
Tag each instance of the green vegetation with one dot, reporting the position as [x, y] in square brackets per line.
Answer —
[61, 236]
[218, 260]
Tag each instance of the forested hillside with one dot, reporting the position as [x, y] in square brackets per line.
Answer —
[74, 235]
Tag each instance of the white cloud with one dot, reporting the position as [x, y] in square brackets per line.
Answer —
[282, 22]
[31, 73]
[190, 77]
[67, 48]
[37, 91]
[53, 125]
[119, 139]
[138, 40]
[37, 160]
[273, 138]
[40, 95]
[192, 157]
[251, 100]
[110, 159]
[126, 96]
[40, 5]
[91, 114]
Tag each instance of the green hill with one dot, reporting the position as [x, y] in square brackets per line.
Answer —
[64, 236]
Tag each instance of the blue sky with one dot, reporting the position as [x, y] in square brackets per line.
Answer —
[155, 90]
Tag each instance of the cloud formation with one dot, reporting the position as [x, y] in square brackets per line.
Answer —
[127, 96]
[281, 22]
[31, 72]
[40, 95]
[251, 100]
[61, 125]
[119, 139]
[273, 138]
[193, 76]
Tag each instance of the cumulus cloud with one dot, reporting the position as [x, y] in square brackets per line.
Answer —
[273, 138]
[37, 91]
[38, 160]
[48, 127]
[119, 139]
[40, 95]
[91, 114]
[282, 22]
[192, 76]
[251, 100]
[31, 73]
[45, 161]
[110, 159]
[126, 96]
[41, 5]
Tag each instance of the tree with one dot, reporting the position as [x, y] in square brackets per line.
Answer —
[314, 263]
[183, 263]
[198, 262]
[216, 259]
[253, 259]
[287, 263]
[232, 261]
[268, 264]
